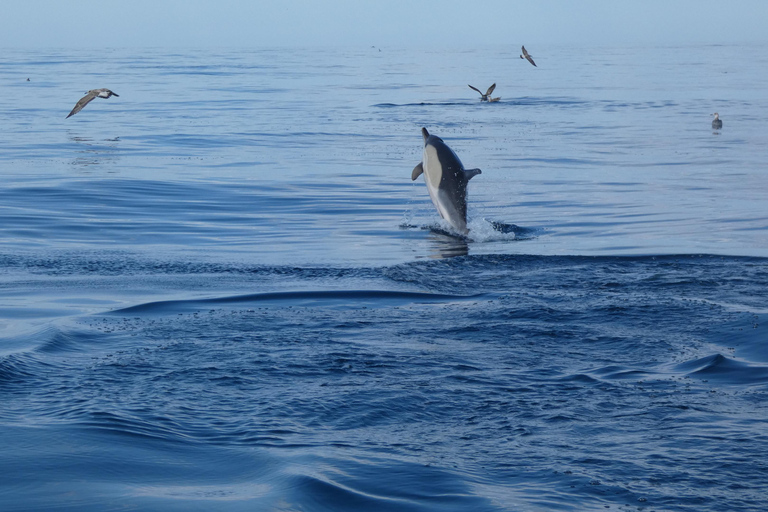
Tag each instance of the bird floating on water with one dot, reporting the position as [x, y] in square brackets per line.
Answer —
[484, 97]
[717, 123]
[93, 93]
[527, 57]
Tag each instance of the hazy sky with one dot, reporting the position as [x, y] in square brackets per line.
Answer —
[434, 23]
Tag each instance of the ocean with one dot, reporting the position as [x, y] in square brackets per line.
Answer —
[221, 290]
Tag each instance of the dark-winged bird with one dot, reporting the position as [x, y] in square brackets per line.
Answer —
[527, 57]
[94, 93]
[484, 97]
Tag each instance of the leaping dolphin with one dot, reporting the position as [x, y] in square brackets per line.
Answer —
[446, 180]
[93, 93]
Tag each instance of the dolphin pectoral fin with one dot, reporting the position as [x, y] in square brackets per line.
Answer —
[417, 171]
[471, 173]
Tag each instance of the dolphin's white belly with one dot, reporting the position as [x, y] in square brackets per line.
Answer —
[433, 174]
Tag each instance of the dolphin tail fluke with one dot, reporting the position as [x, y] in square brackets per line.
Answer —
[417, 171]
[468, 173]
[425, 134]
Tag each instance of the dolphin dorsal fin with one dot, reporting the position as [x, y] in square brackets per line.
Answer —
[417, 171]
[471, 173]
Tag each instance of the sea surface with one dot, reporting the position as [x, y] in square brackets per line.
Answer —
[221, 290]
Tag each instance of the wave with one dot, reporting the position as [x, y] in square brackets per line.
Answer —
[715, 368]
[17, 370]
[520, 101]
[357, 485]
[725, 370]
[344, 297]
[424, 104]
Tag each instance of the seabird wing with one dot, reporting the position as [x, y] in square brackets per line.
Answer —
[82, 103]
[490, 90]
[476, 89]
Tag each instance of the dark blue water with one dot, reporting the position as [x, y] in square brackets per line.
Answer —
[221, 290]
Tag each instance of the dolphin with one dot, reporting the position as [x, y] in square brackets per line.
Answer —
[446, 180]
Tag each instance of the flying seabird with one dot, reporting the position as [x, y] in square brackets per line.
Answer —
[717, 123]
[484, 97]
[100, 93]
[527, 57]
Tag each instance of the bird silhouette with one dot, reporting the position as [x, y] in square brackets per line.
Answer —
[93, 93]
[527, 57]
[484, 97]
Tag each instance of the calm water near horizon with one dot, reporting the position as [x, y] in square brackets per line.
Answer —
[222, 291]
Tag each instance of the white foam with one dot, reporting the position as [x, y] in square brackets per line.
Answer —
[483, 230]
